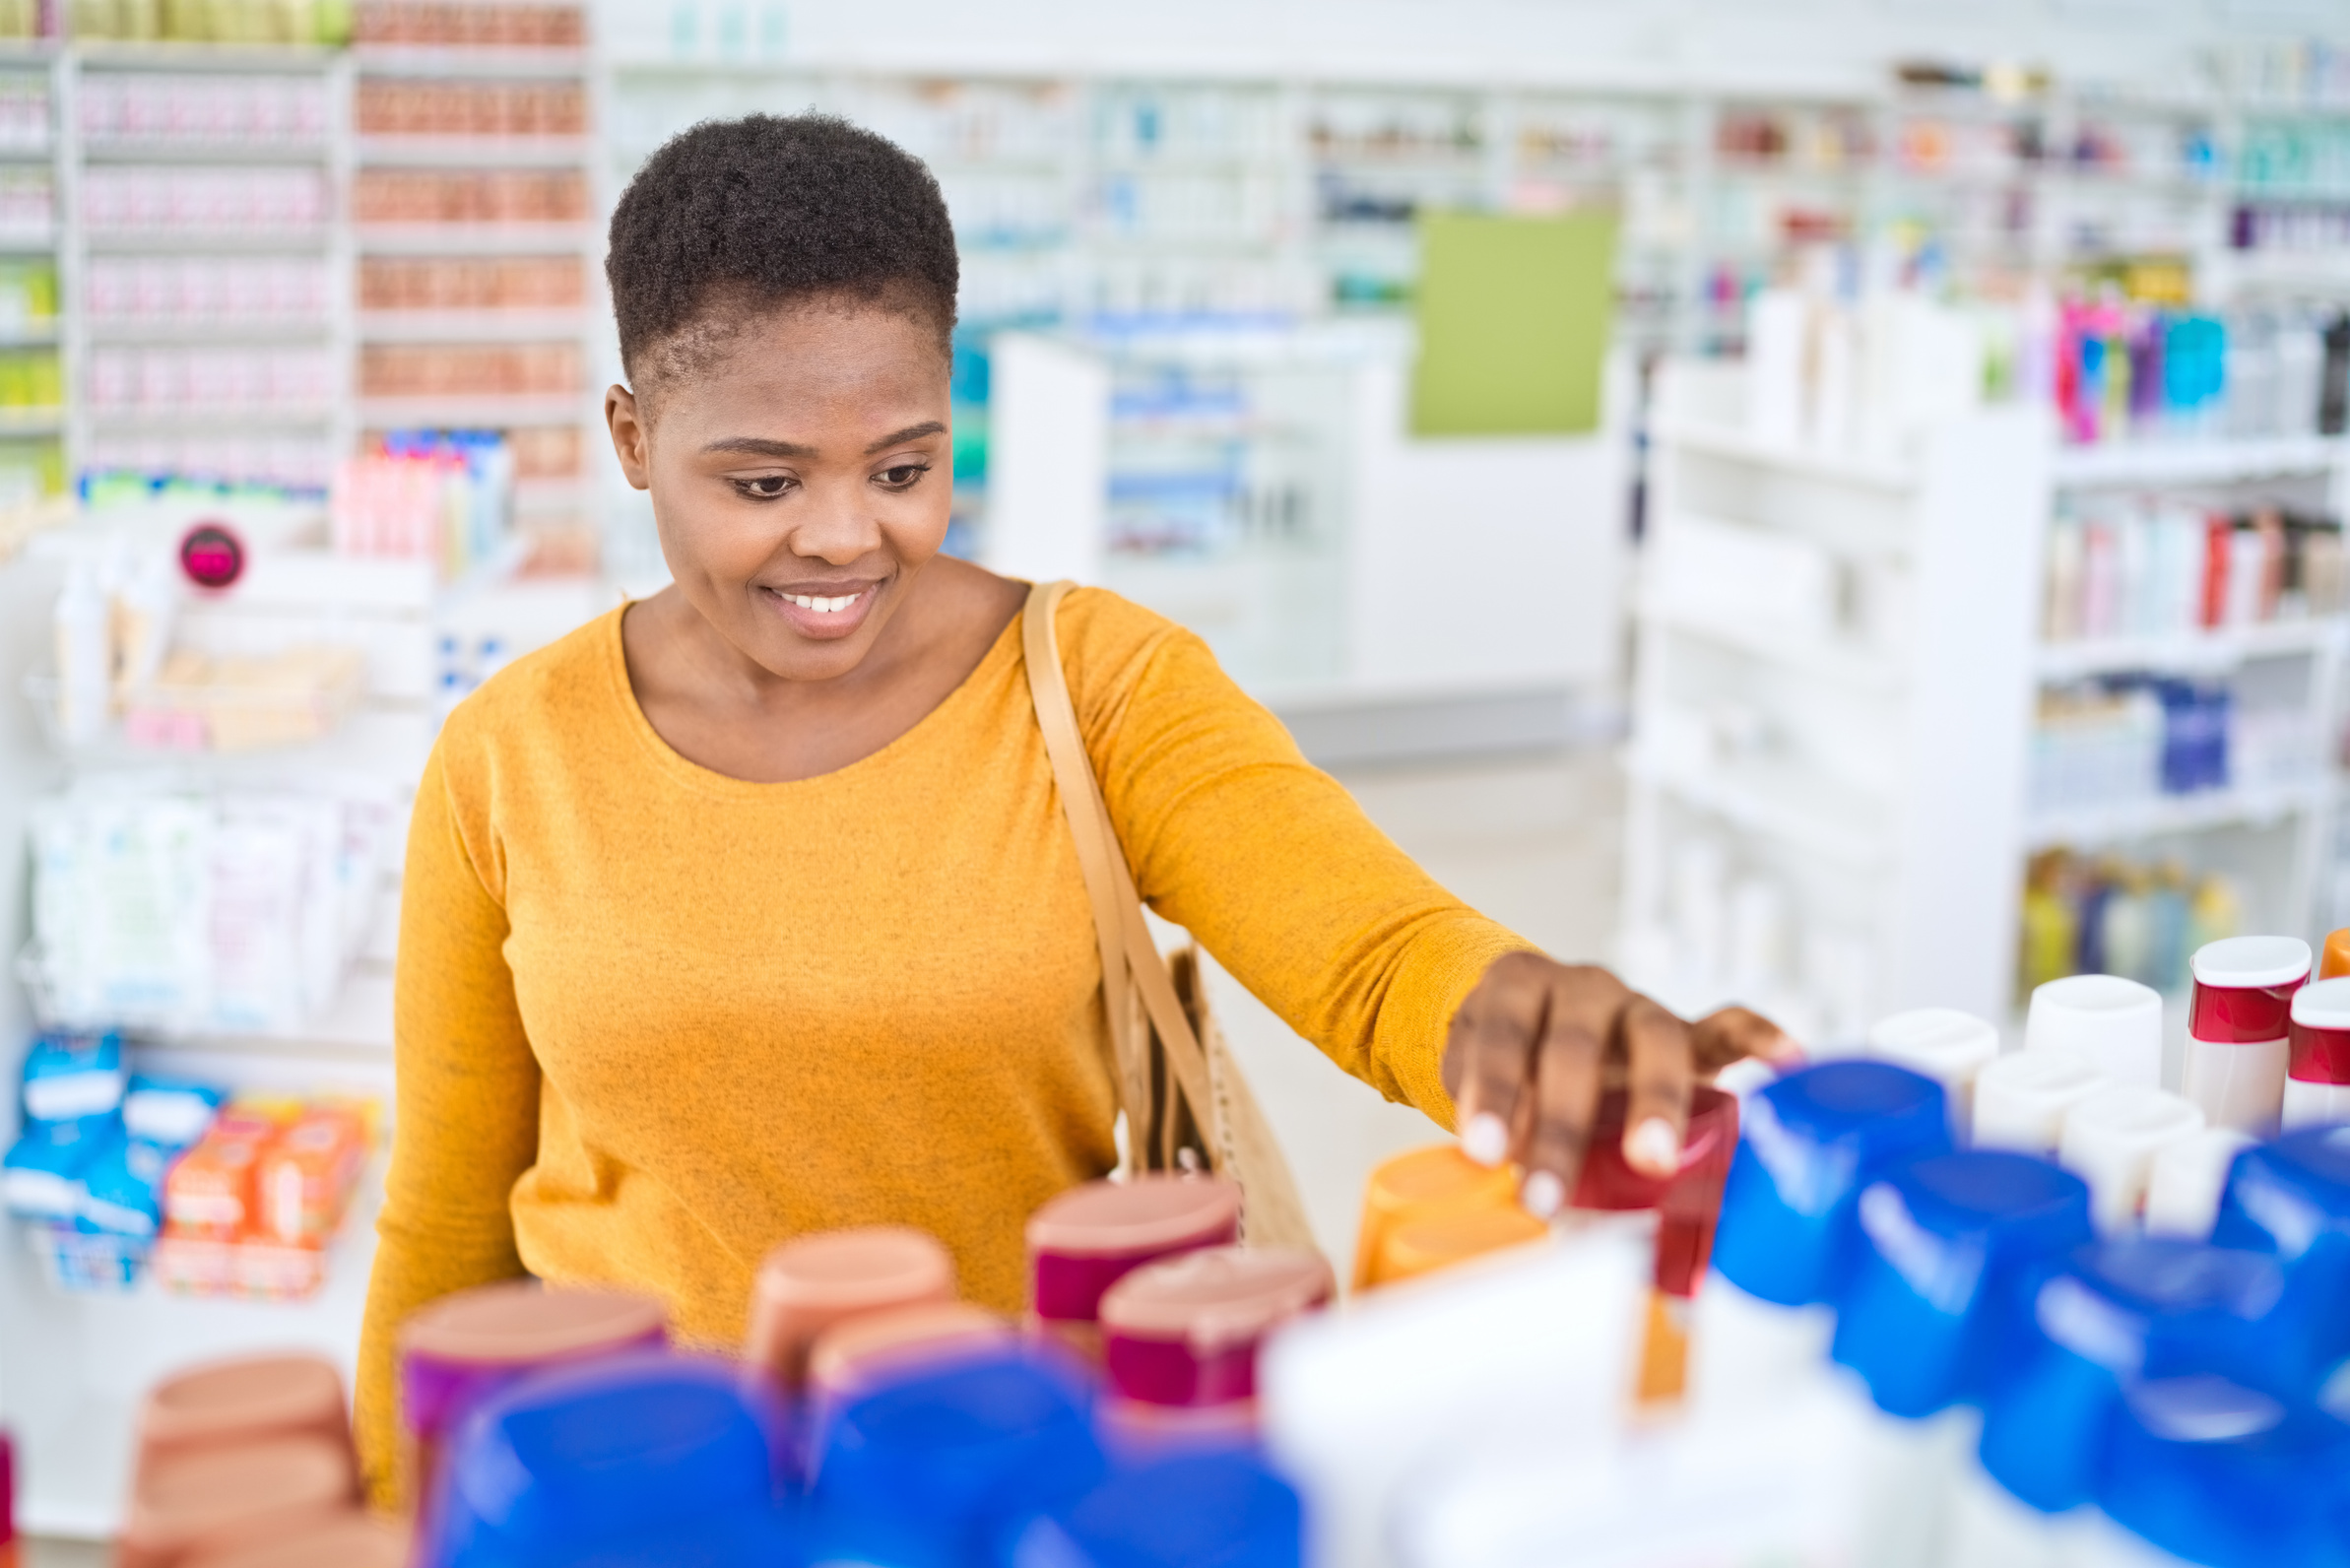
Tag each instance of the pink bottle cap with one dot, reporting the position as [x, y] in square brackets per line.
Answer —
[885, 1345]
[2322, 1032]
[2243, 989]
[1084, 1241]
[812, 1282]
[476, 1342]
[250, 1494]
[340, 1541]
[1185, 1331]
[238, 1401]
[1687, 1203]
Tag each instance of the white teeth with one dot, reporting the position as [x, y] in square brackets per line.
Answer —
[824, 606]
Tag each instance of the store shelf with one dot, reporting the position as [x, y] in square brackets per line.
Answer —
[1795, 816]
[131, 330]
[2122, 821]
[444, 60]
[2197, 462]
[30, 421]
[470, 413]
[1843, 663]
[207, 242]
[475, 152]
[474, 326]
[2187, 653]
[222, 419]
[126, 54]
[181, 150]
[473, 240]
[1735, 445]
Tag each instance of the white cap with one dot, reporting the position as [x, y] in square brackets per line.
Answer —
[1945, 1045]
[2183, 1187]
[2242, 963]
[2110, 1140]
[2323, 1003]
[2020, 1099]
[2116, 1023]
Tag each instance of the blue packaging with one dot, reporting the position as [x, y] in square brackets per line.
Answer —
[2109, 1314]
[117, 1194]
[1809, 1142]
[2290, 1198]
[2216, 1472]
[1216, 1509]
[639, 1459]
[73, 1077]
[937, 1470]
[169, 1112]
[1939, 1242]
[41, 1176]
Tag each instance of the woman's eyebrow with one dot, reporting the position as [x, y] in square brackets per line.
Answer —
[757, 446]
[912, 432]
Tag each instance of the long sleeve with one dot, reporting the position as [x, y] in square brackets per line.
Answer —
[466, 1116]
[1268, 862]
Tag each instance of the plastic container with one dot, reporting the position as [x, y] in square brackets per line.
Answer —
[2214, 1472]
[1223, 1510]
[1946, 1045]
[2238, 1026]
[1088, 1238]
[874, 1347]
[2183, 1190]
[1687, 1204]
[939, 1469]
[1422, 1185]
[343, 1540]
[251, 1494]
[2292, 1198]
[1810, 1143]
[241, 1399]
[1185, 1331]
[2109, 1314]
[2021, 1100]
[1436, 1241]
[2333, 960]
[1939, 1239]
[2116, 1023]
[812, 1282]
[464, 1348]
[2318, 1069]
[2111, 1140]
[649, 1457]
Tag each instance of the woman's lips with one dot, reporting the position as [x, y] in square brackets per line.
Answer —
[824, 617]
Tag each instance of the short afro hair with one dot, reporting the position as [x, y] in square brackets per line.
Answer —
[743, 216]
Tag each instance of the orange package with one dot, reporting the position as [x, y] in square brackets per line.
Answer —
[209, 1192]
[305, 1177]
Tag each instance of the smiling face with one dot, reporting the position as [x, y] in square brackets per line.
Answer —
[802, 477]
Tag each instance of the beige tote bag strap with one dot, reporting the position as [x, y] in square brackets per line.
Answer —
[1128, 954]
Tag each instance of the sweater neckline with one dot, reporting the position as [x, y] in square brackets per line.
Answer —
[693, 776]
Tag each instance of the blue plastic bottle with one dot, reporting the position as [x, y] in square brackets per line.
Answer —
[2111, 1314]
[647, 1459]
[1810, 1142]
[1216, 1509]
[1939, 1242]
[936, 1472]
[2292, 1198]
[2216, 1472]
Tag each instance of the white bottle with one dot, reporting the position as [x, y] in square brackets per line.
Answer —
[2183, 1190]
[85, 657]
[1943, 1044]
[2021, 1100]
[2116, 1023]
[2110, 1141]
[2239, 1029]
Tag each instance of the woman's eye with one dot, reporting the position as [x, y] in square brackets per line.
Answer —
[766, 486]
[903, 474]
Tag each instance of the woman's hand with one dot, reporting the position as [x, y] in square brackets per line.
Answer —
[1536, 1043]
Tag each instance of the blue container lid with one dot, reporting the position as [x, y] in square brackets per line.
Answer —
[933, 1470]
[1940, 1240]
[2118, 1310]
[650, 1457]
[2214, 1472]
[2292, 1198]
[1808, 1144]
[1218, 1510]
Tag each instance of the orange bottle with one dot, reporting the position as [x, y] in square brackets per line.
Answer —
[2335, 959]
[1425, 1184]
[1429, 1243]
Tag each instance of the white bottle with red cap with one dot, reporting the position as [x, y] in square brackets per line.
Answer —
[2238, 1029]
[2318, 1081]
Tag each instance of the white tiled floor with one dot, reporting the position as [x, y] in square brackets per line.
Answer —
[1533, 843]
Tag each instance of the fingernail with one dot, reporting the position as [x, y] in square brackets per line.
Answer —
[1783, 1050]
[1544, 1195]
[1654, 1147]
[1484, 1139]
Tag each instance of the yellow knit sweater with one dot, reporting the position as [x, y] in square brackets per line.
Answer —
[653, 1021]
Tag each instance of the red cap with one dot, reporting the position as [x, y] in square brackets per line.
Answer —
[1687, 1203]
[2321, 1033]
[2243, 989]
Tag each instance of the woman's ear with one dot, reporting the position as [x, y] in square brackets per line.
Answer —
[631, 441]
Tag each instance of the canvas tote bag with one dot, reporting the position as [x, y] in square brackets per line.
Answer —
[1186, 1104]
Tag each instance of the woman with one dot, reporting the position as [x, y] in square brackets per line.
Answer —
[749, 909]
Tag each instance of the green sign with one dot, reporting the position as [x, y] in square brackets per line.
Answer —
[1514, 319]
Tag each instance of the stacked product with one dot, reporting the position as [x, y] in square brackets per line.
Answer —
[472, 283]
[247, 1464]
[442, 496]
[205, 290]
[401, 105]
[2109, 915]
[477, 196]
[249, 1209]
[462, 370]
[164, 200]
[97, 1145]
[2146, 567]
[165, 107]
[266, 22]
[489, 24]
[2132, 738]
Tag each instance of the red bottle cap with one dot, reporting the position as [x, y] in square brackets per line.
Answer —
[471, 1343]
[2243, 989]
[1185, 1331]
[1687, 1203]
[1084, 1241]
[2322, 1032]
[812, 1282]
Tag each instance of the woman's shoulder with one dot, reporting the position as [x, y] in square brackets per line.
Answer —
[544, 693]
[1108, 639]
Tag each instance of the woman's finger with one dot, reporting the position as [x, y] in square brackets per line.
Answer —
[1567, 1081]
[1501, 1019]
[1736, 1033]
[1658, 1074]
